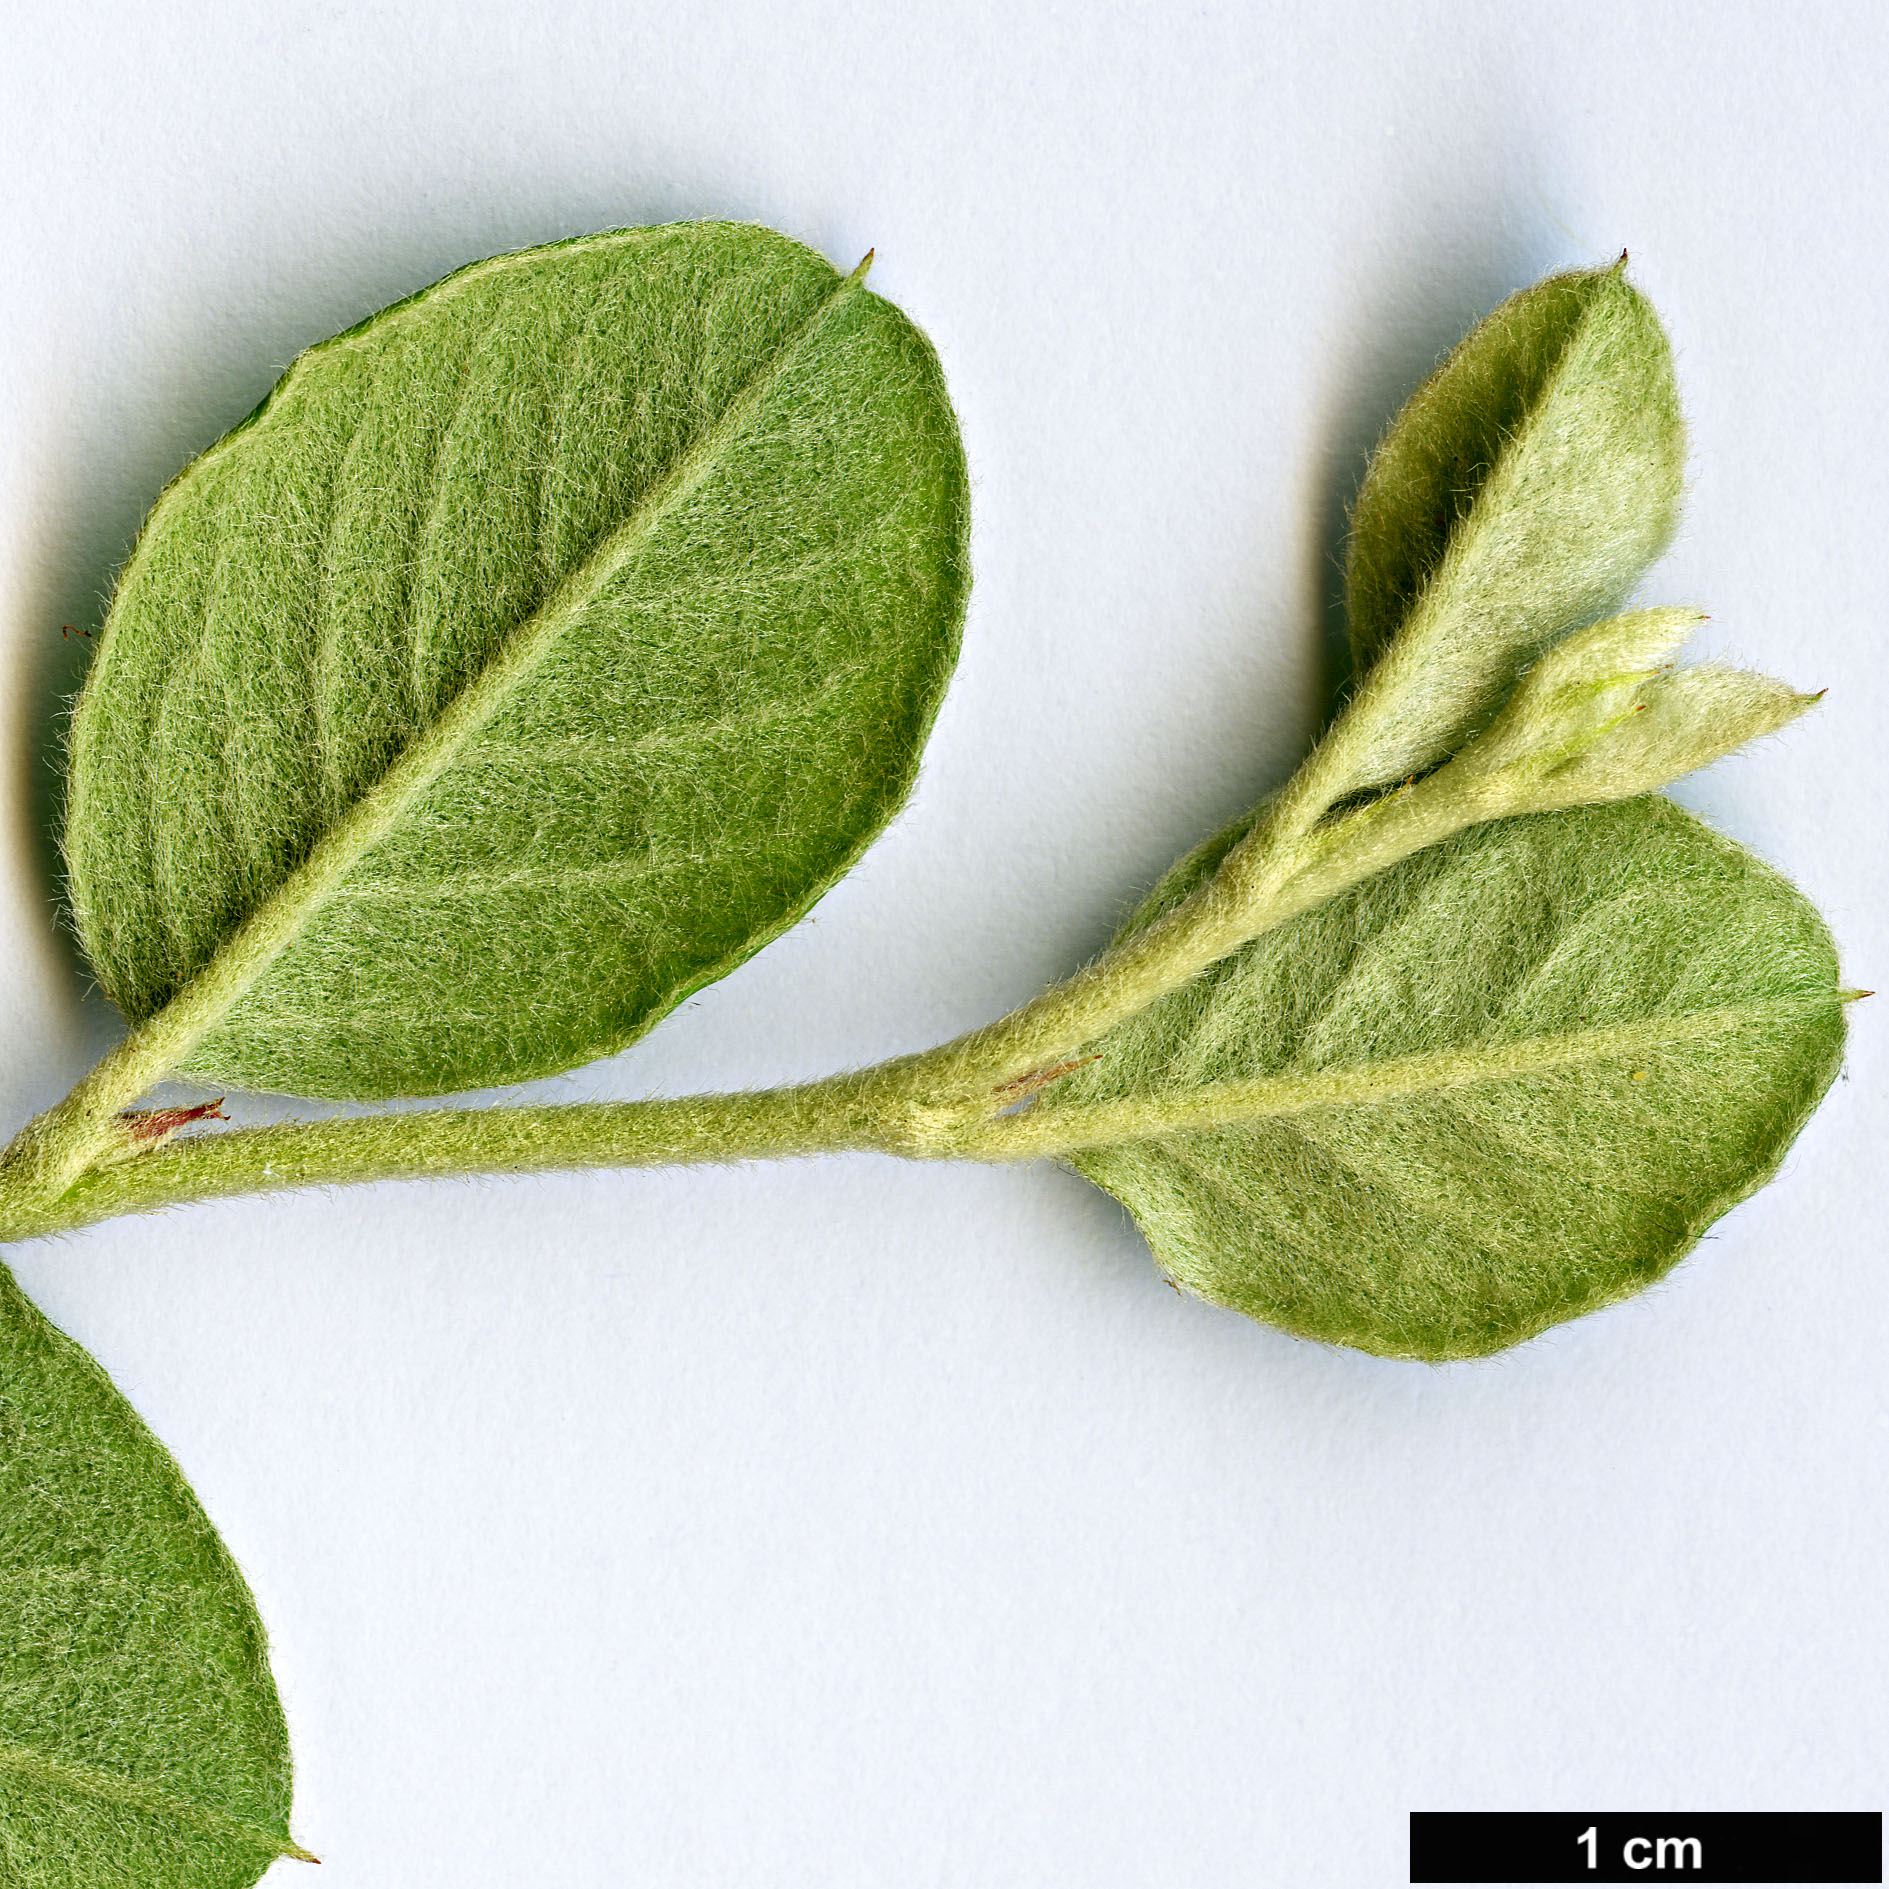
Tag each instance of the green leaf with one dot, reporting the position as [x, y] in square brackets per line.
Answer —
[140, 1736]
[1521, 492]
[1507, 1081]
[537, 651]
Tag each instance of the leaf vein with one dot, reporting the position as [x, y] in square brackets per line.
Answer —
[434, 480]
[322, 690]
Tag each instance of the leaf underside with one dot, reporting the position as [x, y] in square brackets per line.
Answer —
[1627, 1020]
[680, 510]
[141, 1741]
[1522, 491]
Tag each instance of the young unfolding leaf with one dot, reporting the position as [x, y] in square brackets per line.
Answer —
[1522, 491]
[1506, 1082]
[1679, 721]
[1578, 696]
[1590, 723]
[1599, 718]
[140, 1737]
[540, 649]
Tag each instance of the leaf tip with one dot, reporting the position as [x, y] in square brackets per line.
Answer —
[1853, 996]
[859, 273]
[296, 1854]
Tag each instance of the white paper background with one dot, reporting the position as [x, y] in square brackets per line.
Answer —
[855, 1523]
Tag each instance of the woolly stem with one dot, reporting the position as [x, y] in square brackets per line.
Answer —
[84, 1160]
[83, 1136]
[1285, 866]
[1549, 749]
[815, 1118]
[818, 1118]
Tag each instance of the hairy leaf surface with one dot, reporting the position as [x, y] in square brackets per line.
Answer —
[537, 651]
[1503, 1083]
[140, 1736]
[1521, 492]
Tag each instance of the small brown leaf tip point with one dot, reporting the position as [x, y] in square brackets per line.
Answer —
[156, 1124]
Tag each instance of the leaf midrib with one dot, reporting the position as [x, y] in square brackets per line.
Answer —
[1068, 1128]
[254, 945]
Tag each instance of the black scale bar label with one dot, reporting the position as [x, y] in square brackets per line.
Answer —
[1585, 1846]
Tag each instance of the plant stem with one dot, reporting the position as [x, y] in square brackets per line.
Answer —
[84, 1161]
[814, 1118]
[1285, 866]
[817, 1118]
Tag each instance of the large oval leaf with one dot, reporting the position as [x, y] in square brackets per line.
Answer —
[1499, 1085]
[140, 1736]
[1521, 492]
[537, 651]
